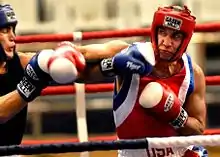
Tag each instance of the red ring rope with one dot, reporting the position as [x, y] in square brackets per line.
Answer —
[212, 80]
[95, 88]
[208, 27]
[85, 35]
[69, 89]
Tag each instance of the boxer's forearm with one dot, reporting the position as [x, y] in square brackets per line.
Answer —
[192, 127]
[10, 105]
[93, 54]
[96, 52]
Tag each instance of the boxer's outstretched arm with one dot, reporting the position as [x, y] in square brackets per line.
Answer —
[196, 106]
[93, 54]
[96, 52]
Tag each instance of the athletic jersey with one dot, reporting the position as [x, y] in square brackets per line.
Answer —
[132, 120]
[12, 131]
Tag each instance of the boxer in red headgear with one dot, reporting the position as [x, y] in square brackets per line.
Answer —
[159, 91]
[175, 18]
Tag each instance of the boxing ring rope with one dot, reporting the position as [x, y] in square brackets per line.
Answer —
[108, 87]
[95, 88]
[207, 140]
[78, 36]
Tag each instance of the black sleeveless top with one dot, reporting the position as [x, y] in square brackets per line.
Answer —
[12, 131]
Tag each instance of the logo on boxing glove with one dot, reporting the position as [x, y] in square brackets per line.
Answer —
[180, 120]
[30, 71]
[107, 64]
[169, 102]
[132, 66]
[26, 87]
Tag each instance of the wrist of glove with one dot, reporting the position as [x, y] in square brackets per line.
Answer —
[28, 90]
[134, 59]
[181, 120]
[33, 81]
[107, 67]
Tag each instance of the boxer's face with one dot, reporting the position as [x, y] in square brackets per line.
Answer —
[7, 38]
[169, 41]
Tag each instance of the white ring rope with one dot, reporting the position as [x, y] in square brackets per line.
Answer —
[183, 141]
[82, 130]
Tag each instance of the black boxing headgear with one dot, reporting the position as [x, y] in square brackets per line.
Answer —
[7, 18]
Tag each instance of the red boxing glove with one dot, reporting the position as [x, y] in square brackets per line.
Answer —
[190, 153]
[164, 104]
[196, 151]
[66, 63]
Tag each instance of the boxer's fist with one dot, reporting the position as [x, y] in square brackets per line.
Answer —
[66, 63]
[196, 151]
[137, 58]
[35, 76]
[65, 47]
[162, 102]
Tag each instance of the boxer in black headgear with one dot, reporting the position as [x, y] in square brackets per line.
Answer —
[17, 87]
[22, 78]
[13, 110]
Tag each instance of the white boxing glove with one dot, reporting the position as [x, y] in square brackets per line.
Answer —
[66, 63]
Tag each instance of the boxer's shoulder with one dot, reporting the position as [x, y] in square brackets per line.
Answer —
[197, 69]
[199, 76]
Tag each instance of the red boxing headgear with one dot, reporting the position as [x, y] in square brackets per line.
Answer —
[177, 18]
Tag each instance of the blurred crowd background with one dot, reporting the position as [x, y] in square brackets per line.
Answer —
[55, 115]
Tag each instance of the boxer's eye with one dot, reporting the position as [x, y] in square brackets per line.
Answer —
[162, 32]
[6, 29]
[177, 36]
